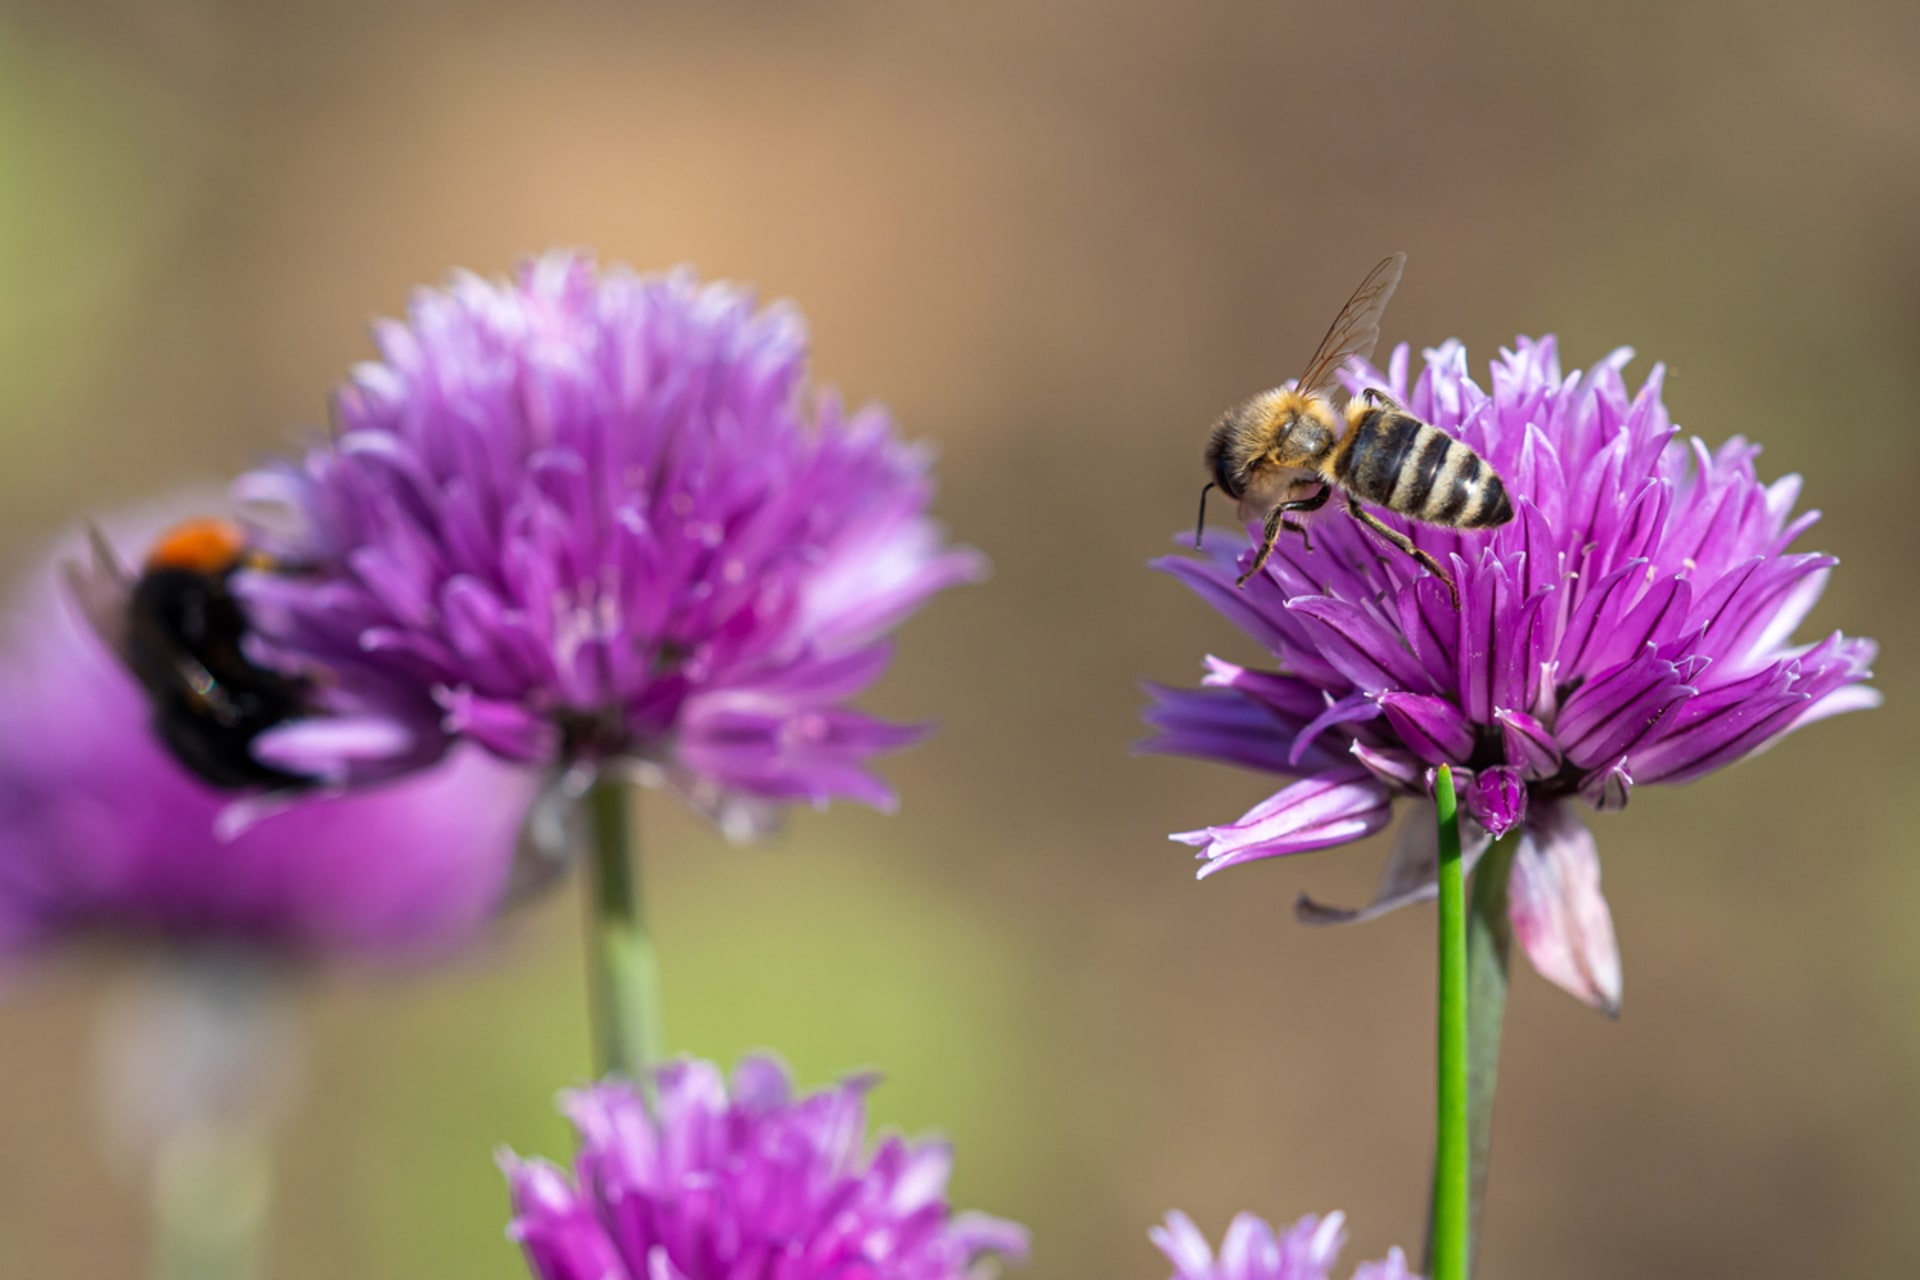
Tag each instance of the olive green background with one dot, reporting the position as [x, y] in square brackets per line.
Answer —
[1056, 239]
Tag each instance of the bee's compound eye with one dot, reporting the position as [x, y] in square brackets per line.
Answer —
[1223, 476]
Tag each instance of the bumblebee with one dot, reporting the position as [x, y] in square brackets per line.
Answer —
[179, 628]
[1287, 450]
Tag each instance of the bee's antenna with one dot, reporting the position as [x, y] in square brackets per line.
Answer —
[1199, 526]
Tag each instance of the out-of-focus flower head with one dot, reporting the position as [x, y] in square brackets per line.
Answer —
[1631, 625]
[745, 1182]
[103, 835]
[590, 516]
[1253, 1250]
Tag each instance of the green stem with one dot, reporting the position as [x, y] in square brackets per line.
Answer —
[211, 1189]
[1452, 1164]
[1489, 951]
[622, 972]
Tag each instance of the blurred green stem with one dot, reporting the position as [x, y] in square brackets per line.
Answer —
[1489, 950]
[1451, 1165]
[211, 1189]
[622, 971]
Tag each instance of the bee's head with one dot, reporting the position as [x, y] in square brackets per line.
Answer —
[1226, 460]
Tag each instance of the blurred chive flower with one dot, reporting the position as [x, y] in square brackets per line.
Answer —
[1253, 1250]
[103, 835]
[743, 1182]
[1632, 625]
[582, 517]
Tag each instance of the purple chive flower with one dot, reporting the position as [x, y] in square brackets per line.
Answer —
[1252, 1250]
[744, 1183]
[102, 834]
[589, 516]
[1631, 625]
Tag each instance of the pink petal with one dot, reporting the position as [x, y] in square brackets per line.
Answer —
[1432, 728]
[505, 728]
[1853, 697]
[1311, 814]
[1186, 1248]
[1396, 768]
[1557, 911]
[1392, 1267]
[320, 747]
[1529, 744]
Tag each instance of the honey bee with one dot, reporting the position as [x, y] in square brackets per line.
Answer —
[1287, 450]
[178, 627]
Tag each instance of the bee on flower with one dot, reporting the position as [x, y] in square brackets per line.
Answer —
[1631, 625]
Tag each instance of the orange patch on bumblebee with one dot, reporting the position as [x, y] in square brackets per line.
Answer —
[207, 545]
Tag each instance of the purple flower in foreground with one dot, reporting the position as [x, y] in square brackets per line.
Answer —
[585, 516]
[102, 833]
[747, 1183]
[1631, 625]
[1252, 1250]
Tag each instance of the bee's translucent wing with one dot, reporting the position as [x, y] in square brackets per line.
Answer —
[101, 586]
[1356, 329]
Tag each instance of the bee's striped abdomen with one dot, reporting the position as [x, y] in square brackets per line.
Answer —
[1399, 462]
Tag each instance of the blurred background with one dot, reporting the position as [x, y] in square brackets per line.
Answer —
[1056, 240]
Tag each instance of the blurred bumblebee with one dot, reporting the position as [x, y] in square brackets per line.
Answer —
[179, 628]
[1287, 450]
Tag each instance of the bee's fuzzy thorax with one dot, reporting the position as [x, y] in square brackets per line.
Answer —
[1285, 402]
[1321, 410]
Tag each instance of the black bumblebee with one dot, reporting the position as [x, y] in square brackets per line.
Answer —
[179, 627]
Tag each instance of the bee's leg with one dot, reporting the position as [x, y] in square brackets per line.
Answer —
[1317, 501]
[1269, 534]
[1276, 521]
[1404, 543]
[1374, 395]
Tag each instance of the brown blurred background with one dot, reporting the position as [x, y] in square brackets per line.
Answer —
[1055, 239]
